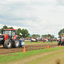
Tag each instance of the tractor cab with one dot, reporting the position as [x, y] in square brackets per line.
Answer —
[11, 32]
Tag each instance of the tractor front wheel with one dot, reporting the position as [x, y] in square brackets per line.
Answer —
[17, 43]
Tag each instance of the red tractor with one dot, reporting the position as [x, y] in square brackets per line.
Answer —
[9, 39]
[61, 40]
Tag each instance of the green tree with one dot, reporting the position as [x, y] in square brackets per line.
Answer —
[0, 30]
[48, 35]
[36, 35]
[52, 36]
[43, 36]
[61, 32]
[10, 28]
[4, 27]
[18, 31]
[25, 33]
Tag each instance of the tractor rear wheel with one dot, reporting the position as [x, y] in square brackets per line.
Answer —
[17, 43]
[8, 43]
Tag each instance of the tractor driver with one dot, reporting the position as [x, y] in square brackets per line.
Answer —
[13, 34]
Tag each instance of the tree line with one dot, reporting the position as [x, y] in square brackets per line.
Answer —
[48, 35]
[25, 33]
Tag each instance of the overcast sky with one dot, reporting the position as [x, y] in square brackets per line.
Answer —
[37, 16]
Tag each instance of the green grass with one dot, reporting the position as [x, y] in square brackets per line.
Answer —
[40, 42]
[12, 57]
[48, 59]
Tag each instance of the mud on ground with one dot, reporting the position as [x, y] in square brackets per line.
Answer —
[28, 47]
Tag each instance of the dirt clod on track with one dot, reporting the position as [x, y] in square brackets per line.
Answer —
[28, 47]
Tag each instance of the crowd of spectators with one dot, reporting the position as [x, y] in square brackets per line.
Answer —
[42, 39]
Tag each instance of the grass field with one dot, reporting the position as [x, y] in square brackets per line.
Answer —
[40, 42]
[42, 56]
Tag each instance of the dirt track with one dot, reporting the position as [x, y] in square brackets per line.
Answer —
[28, 48]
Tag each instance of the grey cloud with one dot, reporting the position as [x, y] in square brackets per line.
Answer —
[40, 3]
[60, 2]
[9, 11]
